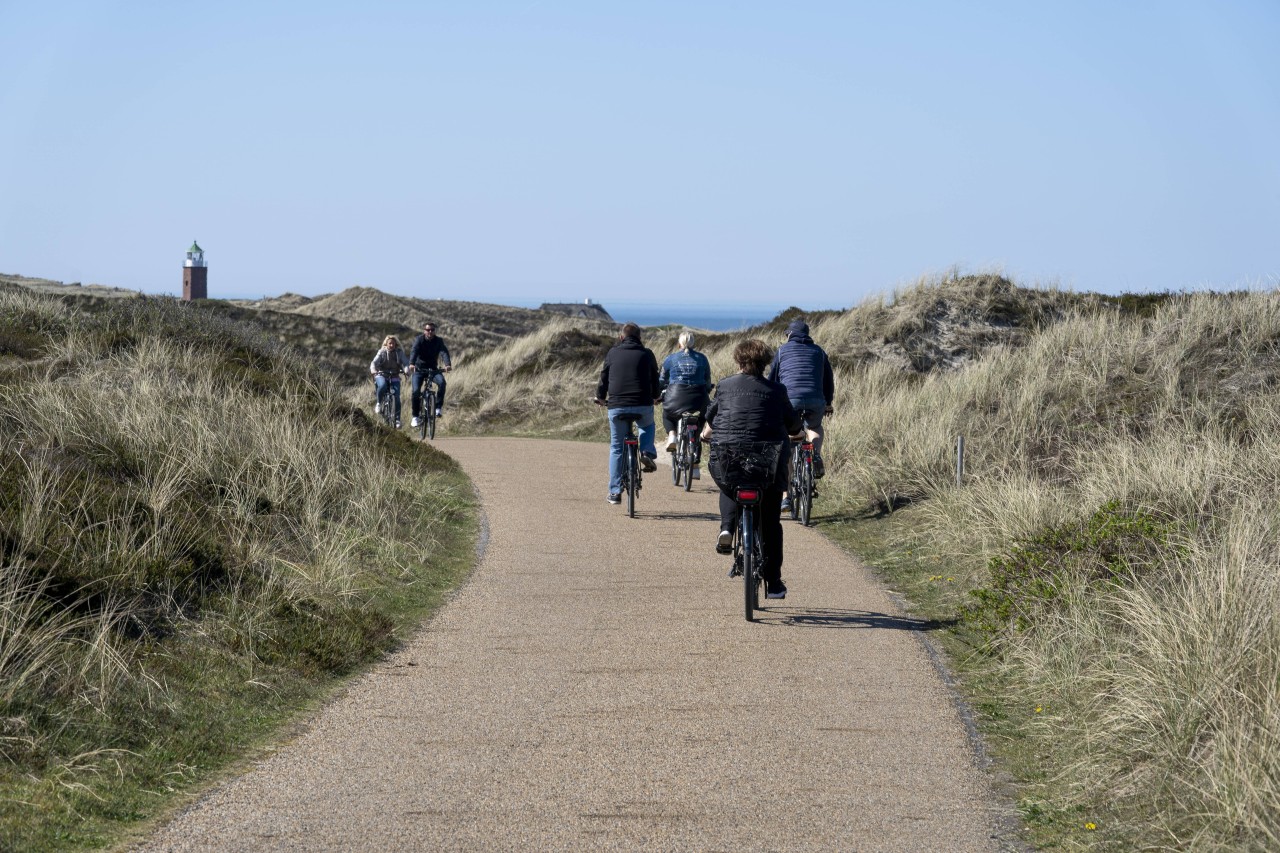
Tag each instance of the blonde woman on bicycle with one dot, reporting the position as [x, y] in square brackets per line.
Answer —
[386, 368]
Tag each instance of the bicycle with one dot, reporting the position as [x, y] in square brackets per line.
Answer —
[747, 469]
[631, 471]
[385, 399]
[800, 486]
[688, 450]
[427, 423]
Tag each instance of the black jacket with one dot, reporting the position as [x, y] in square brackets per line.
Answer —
[425, 354]
[630, 375]
[749, 408]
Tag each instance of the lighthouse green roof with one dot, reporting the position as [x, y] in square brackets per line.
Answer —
[195, 247]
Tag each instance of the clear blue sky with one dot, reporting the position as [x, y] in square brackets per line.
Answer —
[775, 153]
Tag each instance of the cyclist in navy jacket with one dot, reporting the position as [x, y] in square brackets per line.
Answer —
[803, 367]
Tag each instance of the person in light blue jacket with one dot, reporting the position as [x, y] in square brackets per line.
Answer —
[686, 382]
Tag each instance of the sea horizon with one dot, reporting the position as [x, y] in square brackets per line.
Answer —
[711, 317]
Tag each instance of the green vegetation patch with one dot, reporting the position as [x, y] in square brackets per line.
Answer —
[1114, 546]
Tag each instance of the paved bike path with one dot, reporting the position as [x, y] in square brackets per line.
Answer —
[594, 686]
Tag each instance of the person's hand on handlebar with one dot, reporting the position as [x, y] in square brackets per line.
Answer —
[597, 401]
[829, 410]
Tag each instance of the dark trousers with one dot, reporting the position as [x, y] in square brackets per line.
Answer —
[770, 517]
[420, 377]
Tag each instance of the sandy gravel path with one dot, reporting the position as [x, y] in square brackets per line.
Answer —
[594, 686]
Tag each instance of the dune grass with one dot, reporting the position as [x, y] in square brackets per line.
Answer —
[198, 536]
[1110, 564]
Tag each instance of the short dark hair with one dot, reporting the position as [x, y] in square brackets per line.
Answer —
[752, 356]
[629, 330]
[426, 323]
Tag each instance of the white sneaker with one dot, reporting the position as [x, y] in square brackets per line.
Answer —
[695, 473]
[439, 412]
[377, 408]
[397, 424]
[414, 422]
[671, 442]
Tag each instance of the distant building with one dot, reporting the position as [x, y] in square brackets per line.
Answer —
[586, 309]
[195, 274]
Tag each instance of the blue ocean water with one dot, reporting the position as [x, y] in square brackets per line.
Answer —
[709, 317]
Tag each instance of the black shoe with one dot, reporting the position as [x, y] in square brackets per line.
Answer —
[647, 464]
[615, 497]
[724, 542]
[786, 504]
[775, 589]
[818, 468]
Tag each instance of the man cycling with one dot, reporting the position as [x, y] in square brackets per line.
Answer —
[425, 358]
[628, 386]
[803, 367]
[686, 382]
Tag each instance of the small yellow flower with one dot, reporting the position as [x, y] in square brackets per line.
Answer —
[1091, 826]
[1039, 708]
[949, 580]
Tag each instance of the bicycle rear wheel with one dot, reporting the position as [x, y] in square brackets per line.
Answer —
[686, 465]
[677, 460]
[750, 568]
[793, 486]
[633, 478]
[806, 490]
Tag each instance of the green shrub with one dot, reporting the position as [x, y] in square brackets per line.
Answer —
[1114, 546]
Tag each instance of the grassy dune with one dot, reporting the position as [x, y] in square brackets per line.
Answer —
[197, 537]
[1110, 566]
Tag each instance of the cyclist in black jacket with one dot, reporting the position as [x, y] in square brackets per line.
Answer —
[629, 385]
[425, 358]
[749, 408]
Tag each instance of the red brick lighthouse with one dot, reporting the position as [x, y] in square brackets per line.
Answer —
[195, 275]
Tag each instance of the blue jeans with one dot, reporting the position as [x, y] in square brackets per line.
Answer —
[422, 377]
[381, 381]
[618, 432]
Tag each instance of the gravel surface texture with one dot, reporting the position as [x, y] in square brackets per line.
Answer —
[594, 686]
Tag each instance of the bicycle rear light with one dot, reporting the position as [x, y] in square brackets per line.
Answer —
[748, 495]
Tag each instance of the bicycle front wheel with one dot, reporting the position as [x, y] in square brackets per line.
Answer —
[388, 407]
[429, 415]
[750, 568]
[677, 461]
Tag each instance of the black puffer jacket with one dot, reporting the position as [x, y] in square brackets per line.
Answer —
[630, 375]
[750, 408]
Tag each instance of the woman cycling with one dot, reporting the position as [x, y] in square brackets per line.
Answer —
[747, 409]
[686, 382]
[386, 368]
